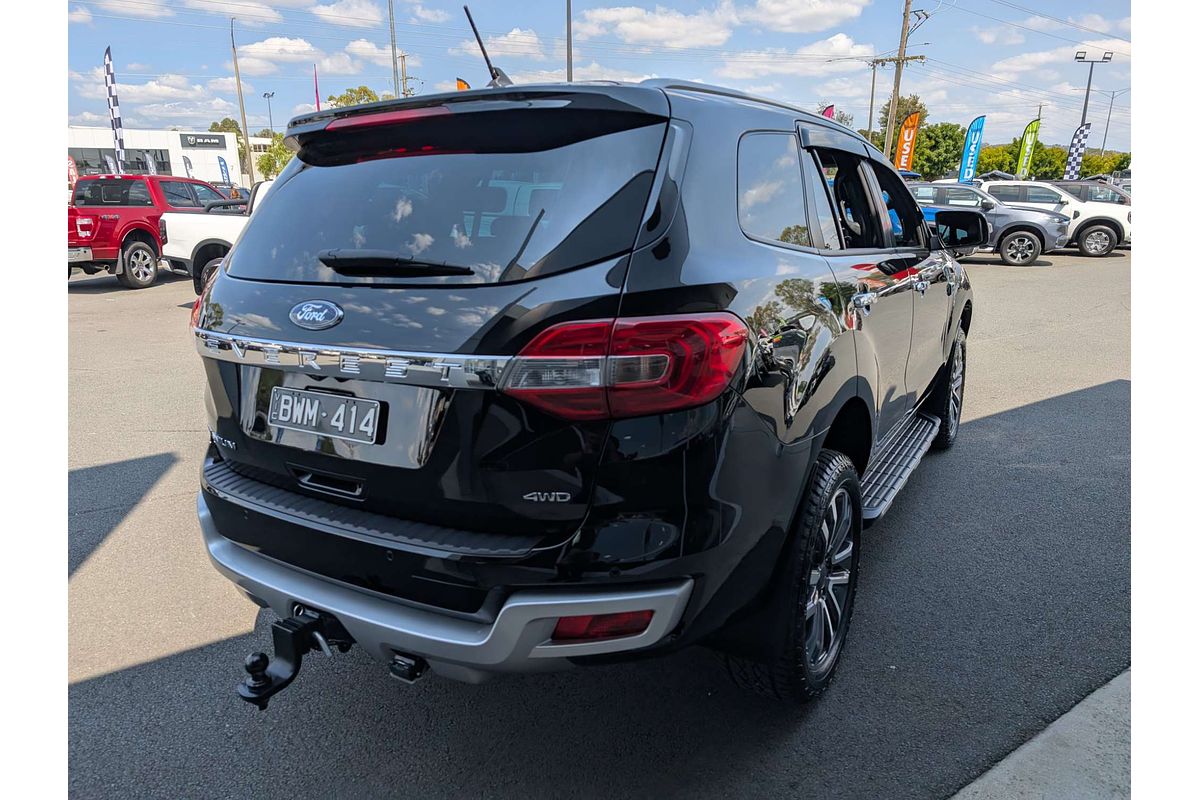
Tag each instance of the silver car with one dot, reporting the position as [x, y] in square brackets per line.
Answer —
[1018, 235]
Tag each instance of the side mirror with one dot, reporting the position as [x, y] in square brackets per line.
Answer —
[961, 229]
[987, 205]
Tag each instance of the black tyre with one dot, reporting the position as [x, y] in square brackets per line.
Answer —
[201, 278]
[1096, 240]
[814, 599]
[141, 265]
[946, 402]
[1019, 248]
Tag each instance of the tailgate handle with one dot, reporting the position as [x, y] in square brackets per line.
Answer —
[336, 485]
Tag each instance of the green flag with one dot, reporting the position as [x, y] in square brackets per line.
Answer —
[1025, 156]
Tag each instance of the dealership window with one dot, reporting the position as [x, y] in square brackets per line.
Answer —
[91, 161]
[770, 194]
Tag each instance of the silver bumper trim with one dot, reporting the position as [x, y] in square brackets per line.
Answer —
[517, 641]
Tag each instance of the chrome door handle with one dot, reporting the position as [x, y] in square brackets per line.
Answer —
[863, 301]
[921, 286]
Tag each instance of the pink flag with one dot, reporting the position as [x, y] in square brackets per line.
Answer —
[827, 111]
[316, 88]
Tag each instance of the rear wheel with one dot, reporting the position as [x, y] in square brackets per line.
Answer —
[1019, 248]
[1097, 240]
[141, 265]
[946, 402]
[816, 590]
[201, 278]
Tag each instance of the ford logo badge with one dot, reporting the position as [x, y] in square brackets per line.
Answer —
[316, 315]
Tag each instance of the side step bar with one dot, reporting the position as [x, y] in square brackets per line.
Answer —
[895, 461]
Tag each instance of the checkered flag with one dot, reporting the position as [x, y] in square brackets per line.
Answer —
[114, 110]
[1075, 153]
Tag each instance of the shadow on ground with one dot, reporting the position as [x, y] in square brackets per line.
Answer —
[993, 597]
[99, 497]
[80, 283]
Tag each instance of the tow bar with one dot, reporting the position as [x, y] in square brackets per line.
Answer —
[293, 637]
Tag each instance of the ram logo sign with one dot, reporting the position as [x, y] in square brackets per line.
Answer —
[548, 497]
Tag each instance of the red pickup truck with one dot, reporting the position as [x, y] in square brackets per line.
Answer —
[113, 222]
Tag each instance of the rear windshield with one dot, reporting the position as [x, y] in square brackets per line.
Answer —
[505, 204]
[115, 192]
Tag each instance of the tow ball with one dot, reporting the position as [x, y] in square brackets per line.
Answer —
[292, 637]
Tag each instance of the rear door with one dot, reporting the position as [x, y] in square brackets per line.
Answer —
[874, 282]
[355, 341]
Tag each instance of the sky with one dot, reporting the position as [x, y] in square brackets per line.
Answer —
[1001, 58]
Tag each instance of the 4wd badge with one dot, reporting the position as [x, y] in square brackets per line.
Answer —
[316, 315]
[547, 497]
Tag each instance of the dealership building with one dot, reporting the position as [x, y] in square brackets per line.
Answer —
[172, 152]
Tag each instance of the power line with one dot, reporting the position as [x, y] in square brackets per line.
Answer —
[1059, 20]
[1024, 27]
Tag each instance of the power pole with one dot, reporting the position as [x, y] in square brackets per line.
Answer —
[570, 73]
[395, 72]
[887, 147]
[1112, 96]
[404, 92]
[237, 76]
[878, 62]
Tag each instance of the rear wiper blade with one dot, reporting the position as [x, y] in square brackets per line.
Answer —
[385, 262]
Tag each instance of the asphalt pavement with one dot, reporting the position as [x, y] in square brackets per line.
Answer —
[993, 597]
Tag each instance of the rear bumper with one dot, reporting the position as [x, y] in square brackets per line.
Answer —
[518, 640]
[78, 254]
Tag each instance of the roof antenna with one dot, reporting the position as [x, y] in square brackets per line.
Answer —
[498, 77]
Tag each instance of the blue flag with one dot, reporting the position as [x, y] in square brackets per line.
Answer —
[970, 155]
[224, 169]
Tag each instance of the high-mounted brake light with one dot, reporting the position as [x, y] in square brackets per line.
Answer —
[628, 367]
[386, 118]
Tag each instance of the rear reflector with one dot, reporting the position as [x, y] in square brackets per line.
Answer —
[385, 118]
[601, 626]
[628, 367]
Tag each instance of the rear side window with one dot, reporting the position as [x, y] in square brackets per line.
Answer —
[770, 192]
[505, 195]
[178, 195]
[851, 199]
[112, 193]
[1103, 194]
[206, 194]
[1040, 194]
[819, 204]
[1005, 194]
[924, 194]
[907, 220]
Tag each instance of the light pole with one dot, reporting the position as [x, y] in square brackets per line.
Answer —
[1081, 57]
[570, 71]
[270, 119]
[1112, 96]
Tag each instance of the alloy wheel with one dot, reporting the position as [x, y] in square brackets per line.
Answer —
[829, 582]
[1019, 249]
[957, 373]
[141, 264]
[1098, 242]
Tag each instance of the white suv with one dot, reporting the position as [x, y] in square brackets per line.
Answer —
[1096, 228]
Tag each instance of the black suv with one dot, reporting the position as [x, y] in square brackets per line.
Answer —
[512, 379]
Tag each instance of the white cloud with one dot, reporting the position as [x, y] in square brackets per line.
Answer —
[1001, 34]
[280, 48]
[137, 8]
[423, 14]
[581, 72]
[760, 193]
[229, 84]
[79, 14]
[1059, 56]
[162, 88]
[136, 66]
[381, 56]
[838, 53]
[338, 64]
[662, 27]
[801, 16]
[191, 112]
[419, 244]
[354, 13]
[88, 118]
[303, 108]
[516, 43]
[254, 66]
[246, 11]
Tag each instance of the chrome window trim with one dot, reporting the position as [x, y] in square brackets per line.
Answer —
[441, 370]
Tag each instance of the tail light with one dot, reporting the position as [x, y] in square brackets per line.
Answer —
[628, 367]
[162, 230]
[397, 117]
[85, 227]
[601, 626]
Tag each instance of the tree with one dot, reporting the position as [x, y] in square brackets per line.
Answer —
[1049, 163]
[906, 105]
[272, 162]
[996, 157]
[229, 125]
[265, 133]
[938, 149]
[354, 97]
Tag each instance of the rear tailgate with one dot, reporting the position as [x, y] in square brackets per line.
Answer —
[524, 205]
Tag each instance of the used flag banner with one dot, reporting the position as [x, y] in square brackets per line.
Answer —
[224, 169]
[461, 85]
[187, 166]
[150, 170]
[970, 155]
[1025, 155]
[827, 111]
[114, 109]
[1076, 151]
[72, 172]
[907, 141]
[112, 167]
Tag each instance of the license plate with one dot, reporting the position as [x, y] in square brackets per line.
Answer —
[324, 414]
[79, 254]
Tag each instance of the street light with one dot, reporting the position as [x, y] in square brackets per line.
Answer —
[1082, 57]
[270, 119]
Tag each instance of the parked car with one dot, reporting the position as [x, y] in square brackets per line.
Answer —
[536, 396]
[232, 191]
[1095, 191]
[196, 244]
[113, 222]
[1096, 228]
[1018, 235]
